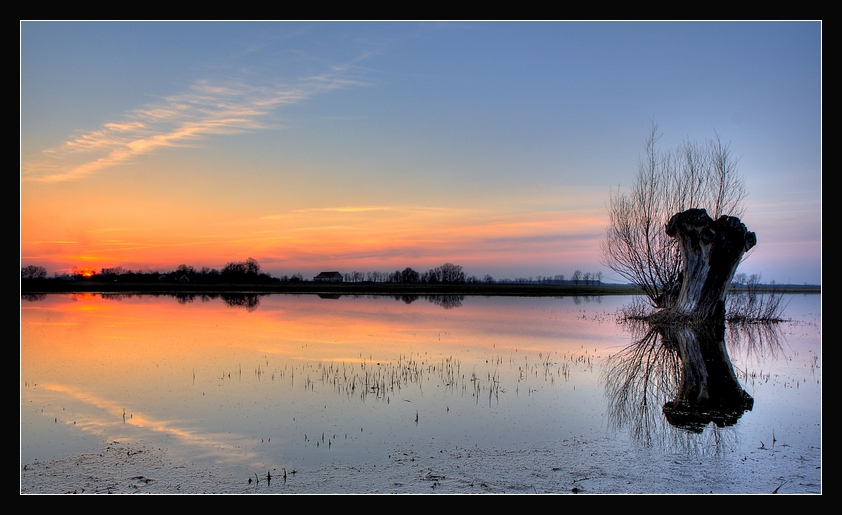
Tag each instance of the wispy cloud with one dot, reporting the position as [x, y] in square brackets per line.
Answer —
[204, 110]
[345, 209]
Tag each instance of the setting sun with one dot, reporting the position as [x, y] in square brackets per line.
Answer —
[83, 271]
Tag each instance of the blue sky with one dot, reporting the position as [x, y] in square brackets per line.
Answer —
[380, 145]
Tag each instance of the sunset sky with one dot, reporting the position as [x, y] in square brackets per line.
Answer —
[375, 146]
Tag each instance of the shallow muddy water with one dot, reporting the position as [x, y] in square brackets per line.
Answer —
[302, 394]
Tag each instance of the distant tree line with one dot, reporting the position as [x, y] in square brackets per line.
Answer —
[578, 277]
[240, 272]
[454, 274]
[447, 273]
[249, 272]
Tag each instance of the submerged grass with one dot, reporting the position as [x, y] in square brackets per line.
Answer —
[751, 304]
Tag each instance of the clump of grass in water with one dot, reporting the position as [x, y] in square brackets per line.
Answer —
[751, 305]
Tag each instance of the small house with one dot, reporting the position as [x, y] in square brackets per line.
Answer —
[328, 277]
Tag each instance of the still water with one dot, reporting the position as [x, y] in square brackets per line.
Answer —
[507, 394]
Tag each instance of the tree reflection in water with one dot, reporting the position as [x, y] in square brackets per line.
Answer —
[638, 381]
[250, 301]
[446, 301]
[708, 391]
[674, 381]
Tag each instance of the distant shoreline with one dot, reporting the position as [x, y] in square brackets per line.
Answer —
[44, 286]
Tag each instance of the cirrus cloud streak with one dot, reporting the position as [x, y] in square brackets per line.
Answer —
[204, 110]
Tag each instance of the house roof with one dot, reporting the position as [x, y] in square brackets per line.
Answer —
[328, 274]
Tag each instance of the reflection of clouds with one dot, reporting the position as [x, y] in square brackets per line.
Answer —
[209, 444]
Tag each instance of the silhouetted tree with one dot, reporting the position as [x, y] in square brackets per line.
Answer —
[185, 270]
[636, 245]
[451, 273]
[234, 268]
[248, 267]
[33, 272]
[410, 276]
[252, 266]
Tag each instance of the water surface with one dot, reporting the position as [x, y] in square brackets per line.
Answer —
[447, 393]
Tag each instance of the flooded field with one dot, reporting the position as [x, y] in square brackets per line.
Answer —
[302, 394]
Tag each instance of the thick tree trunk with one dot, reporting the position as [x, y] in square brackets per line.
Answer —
[710, 253]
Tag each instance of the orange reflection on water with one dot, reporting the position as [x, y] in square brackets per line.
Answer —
[210, 371]
[125, 338]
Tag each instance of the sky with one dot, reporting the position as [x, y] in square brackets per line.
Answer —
[376, 146]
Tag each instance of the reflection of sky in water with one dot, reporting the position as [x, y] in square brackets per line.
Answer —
[302, 380]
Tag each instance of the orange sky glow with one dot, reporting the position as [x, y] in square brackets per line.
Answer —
[379, 146]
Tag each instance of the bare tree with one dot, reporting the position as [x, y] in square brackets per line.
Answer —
[636, 245]
[235, 268]
[33, 272]
[408, 275]
[252, 266]
[451, 273]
